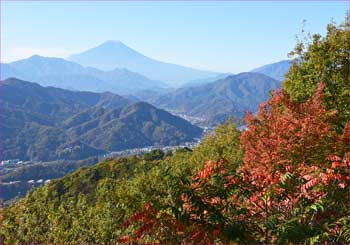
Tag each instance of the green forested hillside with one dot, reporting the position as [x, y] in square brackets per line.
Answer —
[91, 204]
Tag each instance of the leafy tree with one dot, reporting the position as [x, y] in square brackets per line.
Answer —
[223, 143]
[323, 59]
[285, 144]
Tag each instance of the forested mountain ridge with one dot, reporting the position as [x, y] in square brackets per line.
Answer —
[46, 123]
[216, 101]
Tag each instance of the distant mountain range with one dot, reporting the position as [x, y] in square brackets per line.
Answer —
[276, 70]
[46, 123]
[65, 74]
[113, 66]
[215, 101]
[115, 54]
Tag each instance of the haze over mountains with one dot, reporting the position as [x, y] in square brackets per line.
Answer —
[112, 54]
[113, 66]
[61, 73]
[49, 123]
[199, 82]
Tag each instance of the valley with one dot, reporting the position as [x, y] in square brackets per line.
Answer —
[71, 116]
[20, 177]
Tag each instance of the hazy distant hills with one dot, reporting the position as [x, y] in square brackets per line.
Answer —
[61, 73]
[113, 54]
[113, 66]
[275, 70]
[9, 71]
[199, 82]
[45, 123]
[231, 96]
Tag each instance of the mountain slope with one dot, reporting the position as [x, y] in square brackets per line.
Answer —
[69, 75]
[231, 96]
[113, 54]
[133, 126]
[8, 71]
[45, 123]
[275, 70]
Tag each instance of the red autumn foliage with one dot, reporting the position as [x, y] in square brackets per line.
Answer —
[285, 156]
[287, 133]
[291, 162]
[147, 219]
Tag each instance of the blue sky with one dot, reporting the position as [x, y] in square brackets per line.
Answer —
[220, 36]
